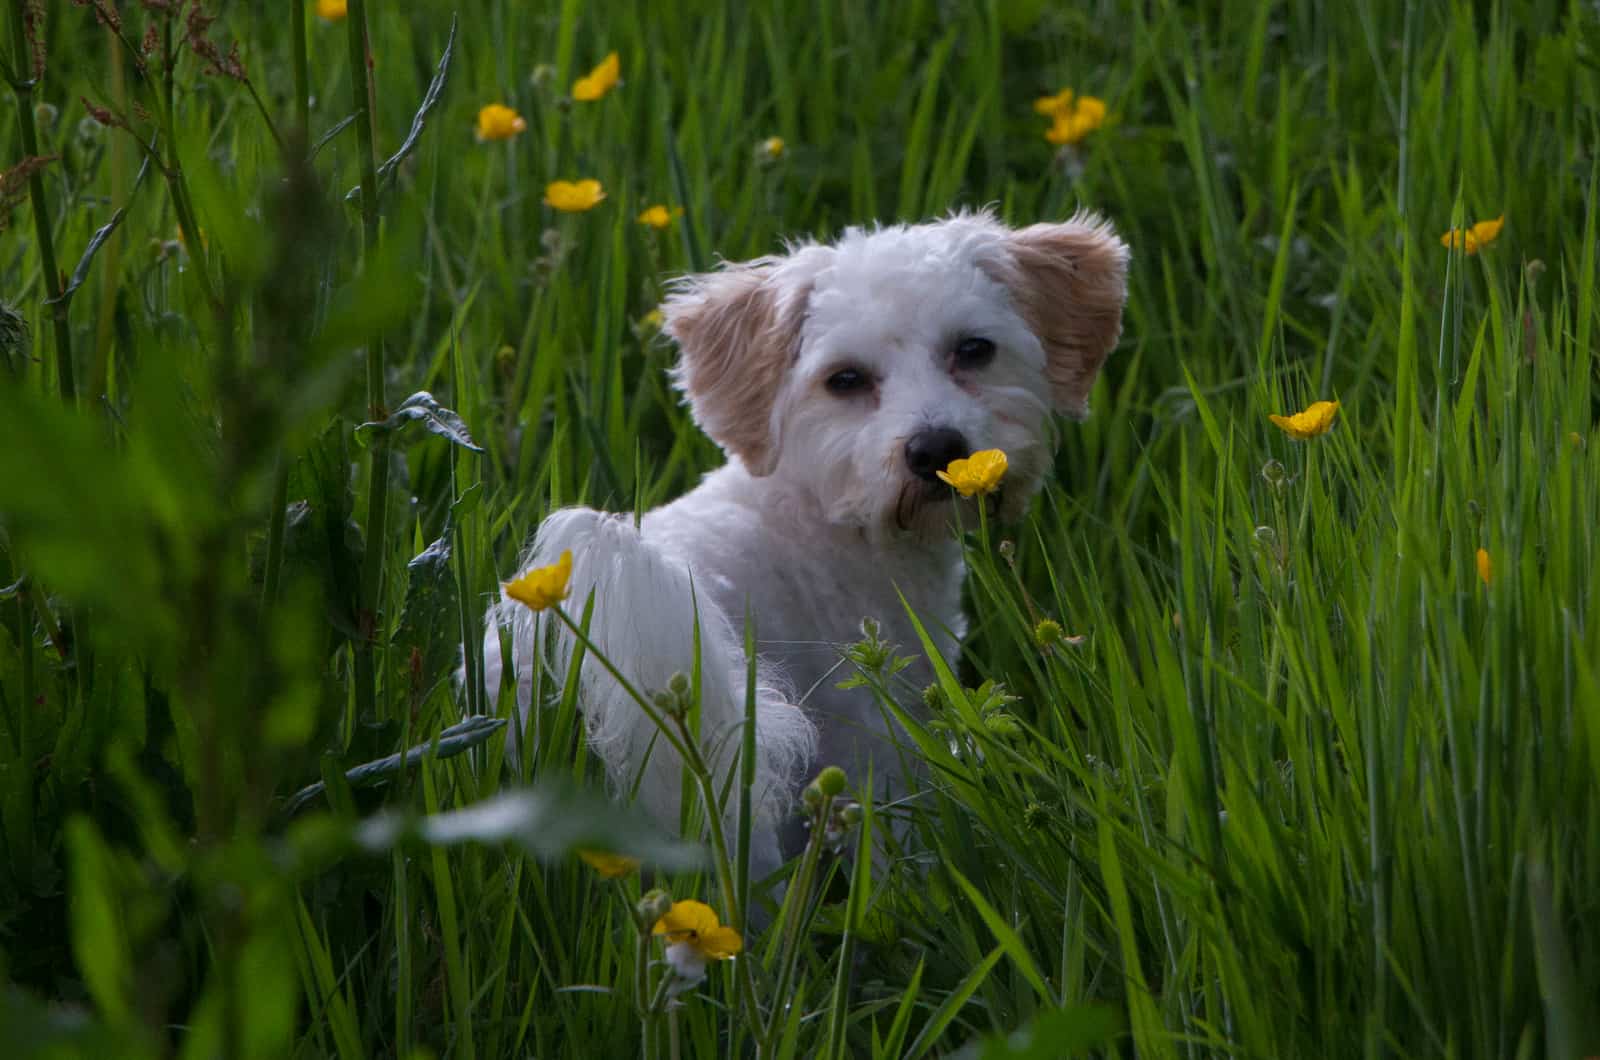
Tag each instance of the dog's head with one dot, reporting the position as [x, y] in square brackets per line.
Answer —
[857, 370]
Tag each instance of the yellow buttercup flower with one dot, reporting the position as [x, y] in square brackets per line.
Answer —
[1315, 420]
[542, 587]
[499, 122]
[332, 10]
[695, 924]
[1050, 106]
[573, 196]
[772, 148]
[597, 82]
[1072, 123]
[654, 319]
[979, 473]
[611, 866]
[659, 216]
[1485, 566]
[1475, 238]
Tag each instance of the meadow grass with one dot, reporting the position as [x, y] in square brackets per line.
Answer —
[1317, 780]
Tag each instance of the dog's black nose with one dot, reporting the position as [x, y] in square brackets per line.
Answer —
[929, 452]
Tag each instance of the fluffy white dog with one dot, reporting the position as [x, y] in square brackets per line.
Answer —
[838, 379]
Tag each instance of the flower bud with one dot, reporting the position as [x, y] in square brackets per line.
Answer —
[831, 781]
[812, 797]
[1275, 475]
[653, 906]
[1048, 633]
[850, 814]
[678, 684]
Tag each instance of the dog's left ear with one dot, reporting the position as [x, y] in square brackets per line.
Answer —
[1070, 281]
[738, 329]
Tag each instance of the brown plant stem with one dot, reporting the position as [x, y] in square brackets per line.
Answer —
[23, 60]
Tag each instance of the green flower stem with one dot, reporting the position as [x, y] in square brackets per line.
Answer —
[983, 522]
[22, 852]
[641, 990]
[649, 708]
[684, 743]
[794, 913]
[275, 531]
[302, 77]
[371, 584]
[41, 210]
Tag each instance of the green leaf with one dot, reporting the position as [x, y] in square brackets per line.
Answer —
[427, 640]
[549, 821]
[421, 408]
[1004, 935]
[430, 99]
[99, 941]
[1060, 1033]
[462, 736]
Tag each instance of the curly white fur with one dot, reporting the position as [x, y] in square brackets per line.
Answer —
[818, 519]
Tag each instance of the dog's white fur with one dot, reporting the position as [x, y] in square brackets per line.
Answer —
[816, 521]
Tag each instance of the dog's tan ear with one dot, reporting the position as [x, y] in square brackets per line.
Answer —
[1070, 281]
[738, 332]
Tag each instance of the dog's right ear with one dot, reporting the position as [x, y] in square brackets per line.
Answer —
[739, 330]
[1070, 281]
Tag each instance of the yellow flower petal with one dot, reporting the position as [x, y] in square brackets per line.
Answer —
[597, 82]
[1050, 106]
[1072, 124]
[499, 122]
[573, 196]
[772, 147]
[659, 216]
[721, 943]
[1090, 109]
[696, 924]
[1485, 566]
[542, 587]
[611, 866]
[979, 473]
[686, 918]
[1475, 238]
[1315, 420]
[332, 10]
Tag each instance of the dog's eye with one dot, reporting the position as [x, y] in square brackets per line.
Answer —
[974, 353]
[848, 381]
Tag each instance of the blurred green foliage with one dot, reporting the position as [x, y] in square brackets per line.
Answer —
[1307, 787]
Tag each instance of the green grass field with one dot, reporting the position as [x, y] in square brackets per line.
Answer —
[1317, 781]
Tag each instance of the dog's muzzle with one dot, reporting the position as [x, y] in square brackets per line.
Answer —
[930, 451]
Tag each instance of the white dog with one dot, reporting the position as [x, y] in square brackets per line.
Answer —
[838, 379]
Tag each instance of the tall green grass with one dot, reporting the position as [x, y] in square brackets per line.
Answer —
[1308, 785]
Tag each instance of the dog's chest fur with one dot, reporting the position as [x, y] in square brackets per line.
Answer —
[808, 584]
